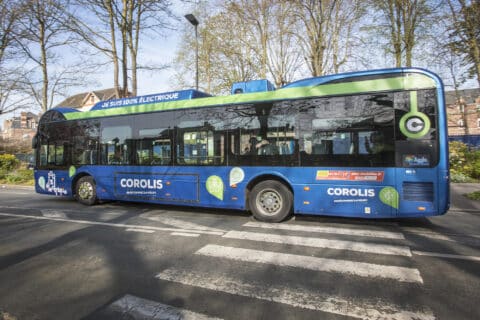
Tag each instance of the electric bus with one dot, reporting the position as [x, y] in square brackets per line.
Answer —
[369, 144]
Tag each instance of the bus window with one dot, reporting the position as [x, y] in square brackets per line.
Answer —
[198, 147]
[200, 137]
[52, 154]
[347, 131]
[53, 147]
[263, 134]
[153, 147]
[115, 149]
[85, 135]
[42, 155]
[162, 153]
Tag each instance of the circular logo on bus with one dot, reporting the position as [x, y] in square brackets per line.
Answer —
[414, 125]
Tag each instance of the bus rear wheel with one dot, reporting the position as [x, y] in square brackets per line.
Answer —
[85, 191]
[270, 201]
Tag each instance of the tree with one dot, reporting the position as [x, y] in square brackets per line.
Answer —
[42, 36]
[283, 56]
[465, 33]
[12, 96]
[144, 16]
[326, 32]
[114, 28]
[400, 24]
[240, 41]
[98, 30]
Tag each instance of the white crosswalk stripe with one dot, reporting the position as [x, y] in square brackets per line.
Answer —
[138, 308]
[332, 230]
[286, 246]
[295, 297]
[321, 243]
[356, 268]
[304, 296]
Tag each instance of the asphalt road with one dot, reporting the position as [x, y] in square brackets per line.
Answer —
[62, 260]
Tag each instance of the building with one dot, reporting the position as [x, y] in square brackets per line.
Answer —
[20, 128]
[86, 100]
[463, 115]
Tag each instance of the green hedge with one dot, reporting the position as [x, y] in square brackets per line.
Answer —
[12, 172]
[464, 163]
[8, 162]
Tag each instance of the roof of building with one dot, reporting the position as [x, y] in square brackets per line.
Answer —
[78, 100]
[468, 95]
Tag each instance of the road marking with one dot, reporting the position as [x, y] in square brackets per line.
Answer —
[15, 192]
[294, 296]
[49, 213]
[140, 230]
[322, 229]
[313, 263]
[133, 307]
[470, 239]
[445, 255]
[107, 224]
[182, 224]
[321, 243]
[184, 234]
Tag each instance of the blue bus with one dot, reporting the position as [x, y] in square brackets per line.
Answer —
[367, 144]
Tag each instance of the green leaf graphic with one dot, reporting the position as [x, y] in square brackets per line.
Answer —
[71, 171]
[236, 175]
[390, 197]
[41, 183]
[215, 187]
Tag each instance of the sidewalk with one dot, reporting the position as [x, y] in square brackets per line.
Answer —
[457, 199]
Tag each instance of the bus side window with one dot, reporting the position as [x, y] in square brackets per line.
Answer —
[324, 147]
[43, 155]
[162, 153]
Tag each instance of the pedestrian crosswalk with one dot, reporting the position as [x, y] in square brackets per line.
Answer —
[335, 269]
[320, 243]
[293, 296]
[340, 270]
[331, 230]
[276, 242]
[138, 308]
[355, 268]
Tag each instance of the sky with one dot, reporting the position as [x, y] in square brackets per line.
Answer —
[159, 50]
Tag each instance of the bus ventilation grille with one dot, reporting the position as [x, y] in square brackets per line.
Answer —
[418, 191]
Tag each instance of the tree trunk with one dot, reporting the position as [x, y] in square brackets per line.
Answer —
[43, 64]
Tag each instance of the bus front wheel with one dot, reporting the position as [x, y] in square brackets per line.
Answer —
[270, 201]
[85, 191]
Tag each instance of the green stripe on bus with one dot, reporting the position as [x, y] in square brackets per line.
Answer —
[408, 82]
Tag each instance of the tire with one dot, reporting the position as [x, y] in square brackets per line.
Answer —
[86, 191]
[270, 201]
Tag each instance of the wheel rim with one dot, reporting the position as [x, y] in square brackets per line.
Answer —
[85, 191]
[269, 201]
